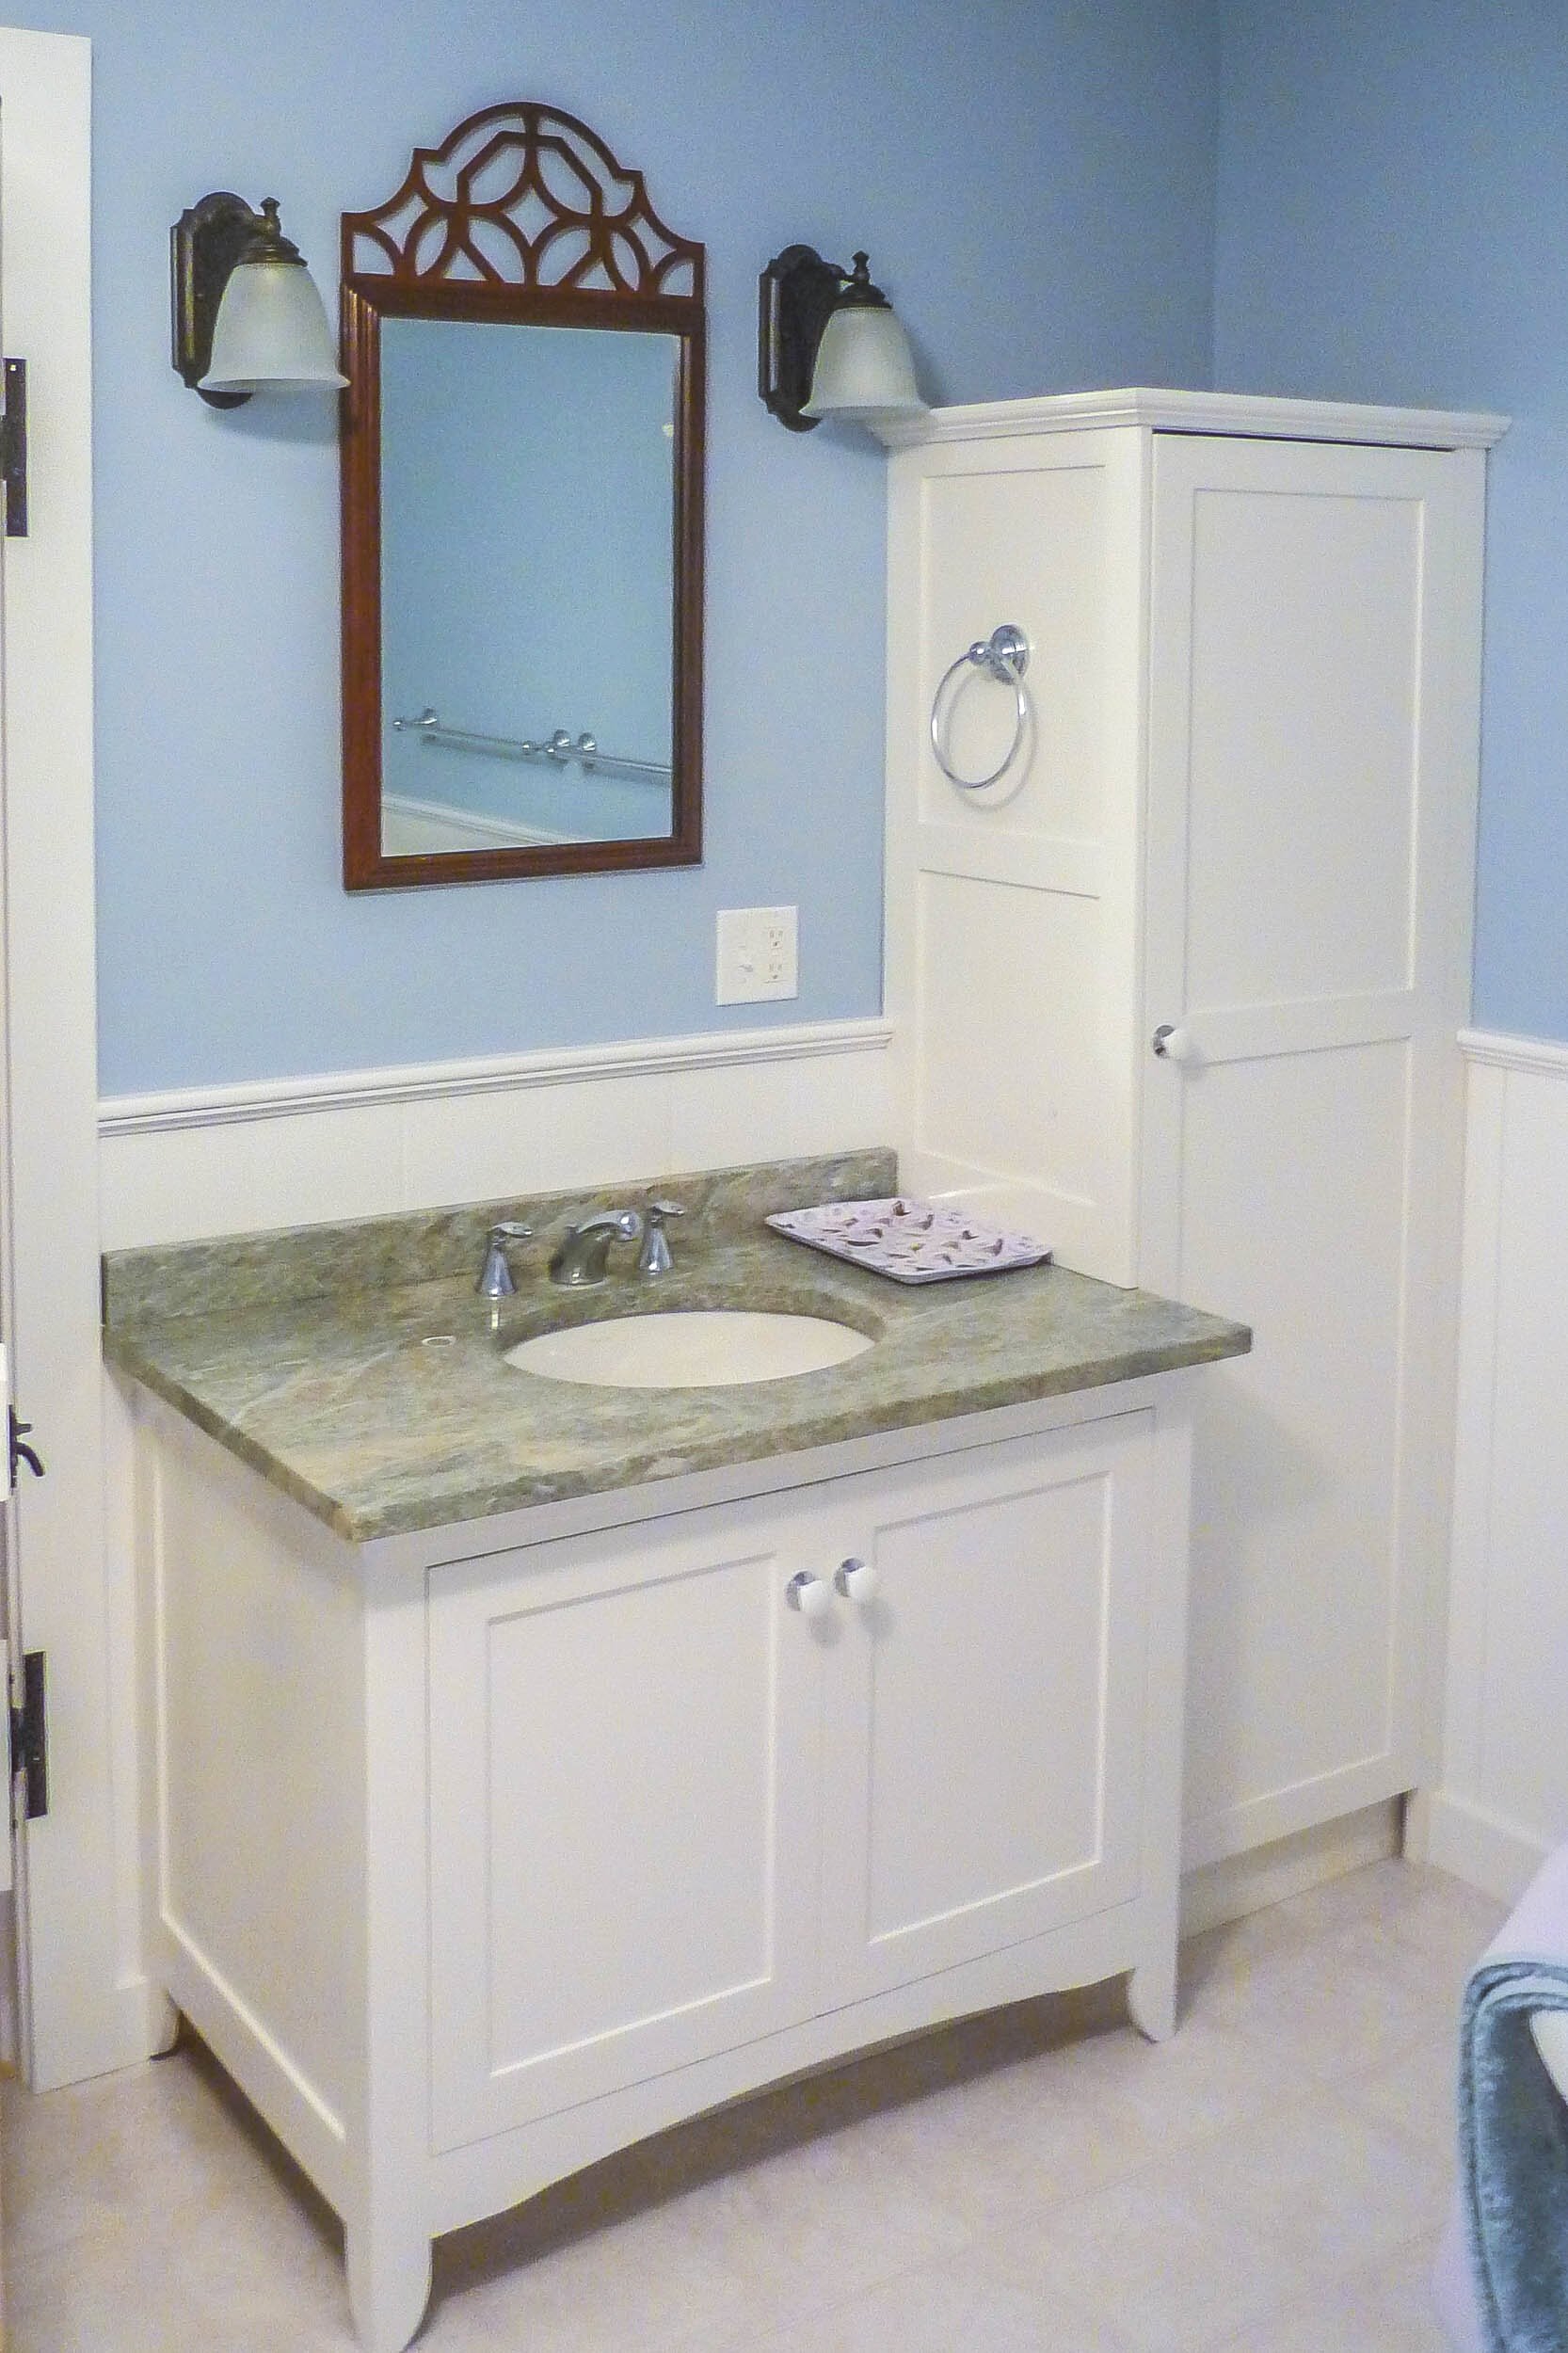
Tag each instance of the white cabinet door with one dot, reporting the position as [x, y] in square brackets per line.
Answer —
[983, 1740]
[670, 1815]
[623, 1789]
[1313, 627]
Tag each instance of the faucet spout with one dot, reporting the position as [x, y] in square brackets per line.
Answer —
[581, 1258]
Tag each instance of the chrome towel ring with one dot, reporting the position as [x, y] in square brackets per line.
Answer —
[1002, 656]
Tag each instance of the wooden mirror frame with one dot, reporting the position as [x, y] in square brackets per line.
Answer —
[606, 261]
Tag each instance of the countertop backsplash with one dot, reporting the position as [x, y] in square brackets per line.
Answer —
[296, 1262]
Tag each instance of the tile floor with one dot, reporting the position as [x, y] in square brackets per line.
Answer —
[1272, 2180]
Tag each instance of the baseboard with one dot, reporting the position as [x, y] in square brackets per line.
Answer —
[1499, 1858]
[1238, 1884]
[153, 2023]
[411, 827]
[199, 1162]
[1258, 1825]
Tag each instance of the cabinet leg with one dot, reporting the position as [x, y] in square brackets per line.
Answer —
[389, 2285]
[1151, 1998]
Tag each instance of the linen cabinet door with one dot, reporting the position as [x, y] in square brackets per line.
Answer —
[1314, 658]
[983, 1745]
[624, 1767]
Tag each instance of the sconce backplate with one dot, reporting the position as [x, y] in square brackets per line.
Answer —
[204, 244]
[796, 295]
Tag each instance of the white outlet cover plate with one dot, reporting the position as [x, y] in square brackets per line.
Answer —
[757, 961]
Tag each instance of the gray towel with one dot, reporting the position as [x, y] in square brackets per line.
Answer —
[1513, 2126]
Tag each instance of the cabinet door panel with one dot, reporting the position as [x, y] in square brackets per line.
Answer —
[623, 1792]
[1306, 684]
[983, 1729]
[1295, 1633]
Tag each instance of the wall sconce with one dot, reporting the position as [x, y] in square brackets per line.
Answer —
[247, 315]
[829, 345]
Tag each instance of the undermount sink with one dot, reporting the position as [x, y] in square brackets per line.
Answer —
[697, 1348]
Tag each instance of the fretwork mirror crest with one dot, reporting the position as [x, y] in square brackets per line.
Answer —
[523, 464]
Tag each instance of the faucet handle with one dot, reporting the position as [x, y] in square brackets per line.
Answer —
[654, 1257]
[495, 1276]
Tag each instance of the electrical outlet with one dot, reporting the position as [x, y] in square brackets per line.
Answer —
[757, 956]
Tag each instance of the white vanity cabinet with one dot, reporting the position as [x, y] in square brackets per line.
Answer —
[472, 1867]
[671, 1814]
[1180, 993]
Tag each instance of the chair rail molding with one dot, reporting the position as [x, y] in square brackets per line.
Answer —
[1498, 1051]
[195, 1161]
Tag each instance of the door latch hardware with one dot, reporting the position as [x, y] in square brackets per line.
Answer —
[21, 1451]
[29, 1730]
[13, 450]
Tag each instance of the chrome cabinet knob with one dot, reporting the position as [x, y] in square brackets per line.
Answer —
[1173, 1043]
[857, 1581]
[811, 1595]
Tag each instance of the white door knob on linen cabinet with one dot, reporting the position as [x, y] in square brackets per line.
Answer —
[855, 1580]
[811, 1595]
[1173, 1043]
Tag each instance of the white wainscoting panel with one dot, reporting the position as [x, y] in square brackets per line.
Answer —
[1503, 1801]
[206, 1160]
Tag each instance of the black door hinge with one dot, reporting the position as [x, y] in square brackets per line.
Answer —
[13, 450]
[30, 1737]
[21, 1451]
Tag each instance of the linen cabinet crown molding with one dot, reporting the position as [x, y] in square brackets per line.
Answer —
[1263, 417]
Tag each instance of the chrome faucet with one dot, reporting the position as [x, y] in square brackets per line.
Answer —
[495, 1276]
[580, 1260]
[654, 1256]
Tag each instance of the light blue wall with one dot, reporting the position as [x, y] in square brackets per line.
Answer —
[1392, 225]
[1034, 187]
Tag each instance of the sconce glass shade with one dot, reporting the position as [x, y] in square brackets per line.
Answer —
[271, 331]
[864, 367]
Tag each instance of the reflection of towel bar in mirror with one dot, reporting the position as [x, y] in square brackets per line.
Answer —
[557, 748]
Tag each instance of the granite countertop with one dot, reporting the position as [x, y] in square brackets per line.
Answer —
[355, 1369]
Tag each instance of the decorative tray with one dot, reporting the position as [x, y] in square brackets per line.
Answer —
[911, 1241]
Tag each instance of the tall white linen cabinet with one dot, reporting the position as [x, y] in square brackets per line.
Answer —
[1240, 812]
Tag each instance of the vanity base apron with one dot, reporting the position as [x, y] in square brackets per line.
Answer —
[484, 1851]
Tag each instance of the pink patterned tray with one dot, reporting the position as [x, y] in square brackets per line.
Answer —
[911, 1241]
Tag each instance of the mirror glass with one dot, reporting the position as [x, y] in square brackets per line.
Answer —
[522, 516]
[527, 606]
